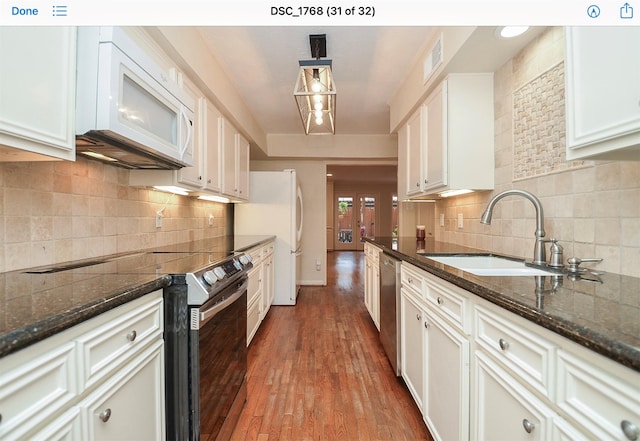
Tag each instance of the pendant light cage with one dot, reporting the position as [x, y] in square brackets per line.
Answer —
[315, 91]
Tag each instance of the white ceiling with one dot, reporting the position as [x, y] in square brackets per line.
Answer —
[369, 64]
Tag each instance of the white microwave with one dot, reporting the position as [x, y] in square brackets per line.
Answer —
[129, 112]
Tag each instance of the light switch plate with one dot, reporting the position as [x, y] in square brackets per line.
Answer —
[460, 221]
[442, 219]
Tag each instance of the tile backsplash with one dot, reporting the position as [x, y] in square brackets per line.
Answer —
[53, 212]
[593, 209]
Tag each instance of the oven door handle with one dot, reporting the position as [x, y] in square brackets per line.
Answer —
[208, 314]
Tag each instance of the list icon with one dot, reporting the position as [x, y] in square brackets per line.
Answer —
[59, 10]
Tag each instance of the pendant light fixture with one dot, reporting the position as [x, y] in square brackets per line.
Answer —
[315, 91]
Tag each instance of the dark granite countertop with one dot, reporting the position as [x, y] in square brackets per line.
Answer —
[601, 313]
[37, 303]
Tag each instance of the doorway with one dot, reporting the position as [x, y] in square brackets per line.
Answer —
[356, 218]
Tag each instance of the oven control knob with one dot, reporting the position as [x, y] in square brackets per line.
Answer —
[237, 264]
[219, 272]
[244, 259]
[210, 277]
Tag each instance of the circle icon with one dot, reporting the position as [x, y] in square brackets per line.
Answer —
[593, 11]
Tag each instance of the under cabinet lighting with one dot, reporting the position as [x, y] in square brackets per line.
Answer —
[98, 156]
[448, 193]
[172, 189]
[214, 198]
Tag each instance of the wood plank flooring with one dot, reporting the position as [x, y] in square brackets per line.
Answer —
[317, 370]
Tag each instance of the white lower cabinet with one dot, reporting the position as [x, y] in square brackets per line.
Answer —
[477, 371]
[446, 396]
[130, 405]
[260, 291]
[504, 409]
[372, 282]
[55, 389]
[412, 346]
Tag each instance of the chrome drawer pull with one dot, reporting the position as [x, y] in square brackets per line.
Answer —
[528, 425]
[504, 345]
[426, 325]
[105, 415]
[440, 300]
[630, 430]
[132, 335]
[418, 317]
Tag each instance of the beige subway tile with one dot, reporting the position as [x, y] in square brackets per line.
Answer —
[630, 202]
[17, 229]
[584, 230]
[41, 203]
[17, 201]
[630, 262]
[606, 204]
[41, 228]
[630, 234]
[62, 227]
[630, 174]
[607, 231]
[583, 205]
[610, 256]
[607, 176]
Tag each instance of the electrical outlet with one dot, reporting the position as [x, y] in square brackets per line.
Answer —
[442, 219]
[159, 219]
[211, 220]
[318, 264]
[460, 221]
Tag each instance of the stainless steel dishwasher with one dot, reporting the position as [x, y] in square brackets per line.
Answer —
[390, 310]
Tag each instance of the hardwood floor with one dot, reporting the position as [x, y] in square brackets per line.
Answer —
[317, 370]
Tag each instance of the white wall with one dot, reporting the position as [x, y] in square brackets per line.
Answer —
[312, 176]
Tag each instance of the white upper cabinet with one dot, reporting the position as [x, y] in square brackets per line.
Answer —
[37, 93]
[449, 140]
[235, 162]
[602, 70]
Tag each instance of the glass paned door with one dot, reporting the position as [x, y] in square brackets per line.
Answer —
[345, 222]
[367, 217]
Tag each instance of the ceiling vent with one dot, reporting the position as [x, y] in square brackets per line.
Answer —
[433, 59]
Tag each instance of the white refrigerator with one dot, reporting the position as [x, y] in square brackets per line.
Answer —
[275, 208]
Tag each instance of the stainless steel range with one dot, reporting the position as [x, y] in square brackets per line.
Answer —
[205, 338]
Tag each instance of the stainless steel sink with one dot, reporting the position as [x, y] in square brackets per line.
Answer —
[483, 265]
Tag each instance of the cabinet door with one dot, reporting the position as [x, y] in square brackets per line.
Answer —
[130, 406]
[37, 91]
[193, 176]
[375, 294]
[412, 347]
[229, 160]
[446, 407]
[211, 147]
[414, 154]
[603, 92]
[435, 138]
[504, 409]
[242, 167]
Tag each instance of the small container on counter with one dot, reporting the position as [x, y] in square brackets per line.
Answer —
[420, 232]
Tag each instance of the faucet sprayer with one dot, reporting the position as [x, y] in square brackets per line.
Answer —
[539, 254]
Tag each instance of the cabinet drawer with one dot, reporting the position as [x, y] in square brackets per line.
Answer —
[107, 346]
[254, 287]
[267, 250]
[517, 348]
[256, 255]
[411, 279]
[253, 318]
[34, 385]
[598, 394]
[451, 305]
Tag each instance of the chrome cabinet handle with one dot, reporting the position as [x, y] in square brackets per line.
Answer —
[528, 425]
[440, 300]
[504, 345]
[105, 415]
[630, 430]
[426, 325]
[418, 317]
[132, 335]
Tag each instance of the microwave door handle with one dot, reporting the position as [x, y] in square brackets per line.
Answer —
[189, 129]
